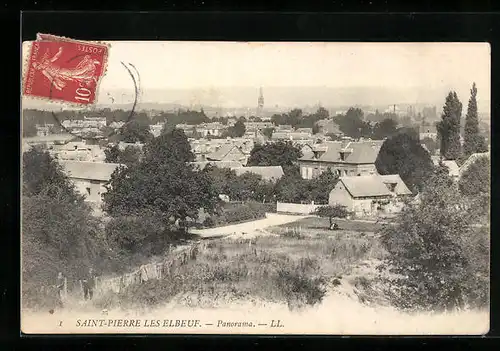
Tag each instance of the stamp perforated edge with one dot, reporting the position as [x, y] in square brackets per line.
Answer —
[50, 37]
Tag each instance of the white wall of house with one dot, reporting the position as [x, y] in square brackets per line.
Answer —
[340, 196]
[311, 170]
[295, 208]
[91, 189]
[363, 207]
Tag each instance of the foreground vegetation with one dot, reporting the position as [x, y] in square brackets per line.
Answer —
[282, 269]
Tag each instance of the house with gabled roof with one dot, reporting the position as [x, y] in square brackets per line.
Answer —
[228, 152]
[370, 195]
[344, 158]
[89, 178]
[290, 135]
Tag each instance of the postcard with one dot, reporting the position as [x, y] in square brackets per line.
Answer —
[265, 188]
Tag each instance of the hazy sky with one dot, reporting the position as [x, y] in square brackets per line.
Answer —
[208, 66]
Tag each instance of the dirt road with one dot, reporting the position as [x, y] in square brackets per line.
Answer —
[247, 228]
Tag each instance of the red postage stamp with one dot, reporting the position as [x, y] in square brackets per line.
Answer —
[64, 69]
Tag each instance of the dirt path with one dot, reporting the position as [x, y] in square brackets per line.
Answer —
[253, 227]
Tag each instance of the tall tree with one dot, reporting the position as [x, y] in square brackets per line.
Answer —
[449, 127]
[352, 124]
[162, 183]
[320, 187]
[112, 154]
[331, 212]
[281, 153]
[403, 154]
[172, 145]
[135, 131]
[292, 188]
[473, 140]
[238, 130]
[268, 132]
[44, 175]
[475, 184]
[476, 179]
[385, 128]
[59, 233]
[322, 113]
[130, 155]
[430, 144]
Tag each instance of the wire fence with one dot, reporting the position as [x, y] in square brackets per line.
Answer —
[151, 271]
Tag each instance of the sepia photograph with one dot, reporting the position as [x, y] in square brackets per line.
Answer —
[189, 187]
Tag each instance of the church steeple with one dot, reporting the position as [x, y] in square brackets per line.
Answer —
[260, 104]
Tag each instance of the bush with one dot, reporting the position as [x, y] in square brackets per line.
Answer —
[440, 261]
[146, 235]
[236, 213]
[209, 222]
[299, 289]
[269, 207]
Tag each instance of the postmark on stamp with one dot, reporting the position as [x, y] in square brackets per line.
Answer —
[64, 69]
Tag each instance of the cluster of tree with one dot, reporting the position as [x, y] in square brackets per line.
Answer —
[59, 234]
[290, 188]
[439, 253]
[128, 156]
[268, 132]
[297, 119]
[162, 183]
[182, 117]
[403, 154]
[449, 128]
[245, 187]
[431, 144]
[32, 117]
[281, 153]
[442, 261]
[236, 131]
[293, 188]
[379, 117]
[475, 185]
[134, 132]
[354, 125]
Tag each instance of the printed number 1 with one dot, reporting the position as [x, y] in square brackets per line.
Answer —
[83, 94]
[60, 323]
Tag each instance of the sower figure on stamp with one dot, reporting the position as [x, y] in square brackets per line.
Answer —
[83, 72]
[88, 284]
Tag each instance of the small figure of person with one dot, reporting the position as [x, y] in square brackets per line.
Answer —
[88, 283]
[60, 288]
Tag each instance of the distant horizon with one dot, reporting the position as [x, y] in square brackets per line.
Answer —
[294, 74]
[276, 97]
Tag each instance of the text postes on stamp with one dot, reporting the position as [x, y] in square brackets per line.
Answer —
[65, 70]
